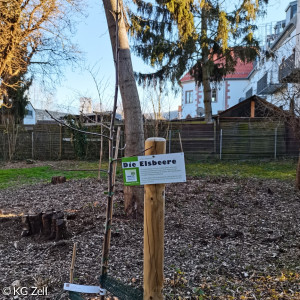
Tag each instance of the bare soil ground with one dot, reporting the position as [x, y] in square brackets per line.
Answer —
[224, 239]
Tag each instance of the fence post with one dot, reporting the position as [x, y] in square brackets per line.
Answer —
[221, 142]
[170, 138]
[32, 144]
[180, 141]
[215, 137]
[60, 141]
[154, 210]
[275, 144]
[50, 144]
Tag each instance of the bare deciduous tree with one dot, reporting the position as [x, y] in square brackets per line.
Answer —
[156, 107]
[33, 33]
[33, 39]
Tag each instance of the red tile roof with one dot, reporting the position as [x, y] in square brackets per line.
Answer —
[186, 77]
[242, 70]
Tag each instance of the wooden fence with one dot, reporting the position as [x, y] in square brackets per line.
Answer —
[227, 139]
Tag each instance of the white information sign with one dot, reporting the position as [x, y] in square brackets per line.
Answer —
[154, 169]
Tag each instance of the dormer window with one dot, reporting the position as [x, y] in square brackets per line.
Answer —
[29, 113]
[293, 10]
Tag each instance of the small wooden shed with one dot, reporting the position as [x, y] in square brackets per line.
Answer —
[255, 128]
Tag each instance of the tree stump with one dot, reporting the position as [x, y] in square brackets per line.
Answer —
[50, 224]
[47, 220]
[26, 225]
[35, 222]
[54, 229]
[61, 229]
[58, 179]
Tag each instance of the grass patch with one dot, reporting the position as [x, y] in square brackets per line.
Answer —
[17, 177]
[282, 169]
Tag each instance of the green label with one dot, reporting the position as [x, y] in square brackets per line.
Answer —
[131, 172]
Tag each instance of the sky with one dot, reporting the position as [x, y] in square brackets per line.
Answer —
[92, 38]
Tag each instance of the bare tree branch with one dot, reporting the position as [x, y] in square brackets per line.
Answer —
[73, 128]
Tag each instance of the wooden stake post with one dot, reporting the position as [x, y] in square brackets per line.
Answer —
[73, 263]
[154, 211]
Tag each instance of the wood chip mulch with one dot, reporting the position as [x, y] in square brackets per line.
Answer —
[224, 239]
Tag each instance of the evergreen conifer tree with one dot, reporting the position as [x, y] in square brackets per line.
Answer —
[205, 37]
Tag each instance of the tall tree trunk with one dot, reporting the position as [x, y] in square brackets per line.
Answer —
[207, 93]
[134, 133]
[205, 67]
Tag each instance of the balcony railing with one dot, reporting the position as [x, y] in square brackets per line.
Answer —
[288, 72]
[262, 83]
[264, 87]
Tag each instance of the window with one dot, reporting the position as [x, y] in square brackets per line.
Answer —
[29, 113]
[214, 95]
[293, 10]
[188, 97]
[249, 93]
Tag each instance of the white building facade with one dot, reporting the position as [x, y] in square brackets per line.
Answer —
[276, 75]
[225, 94]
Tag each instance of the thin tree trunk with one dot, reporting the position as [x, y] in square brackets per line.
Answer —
[134, 133]
[207, 94]
[101, 148]
[205, 68]
[12, 131]
[292, 105]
